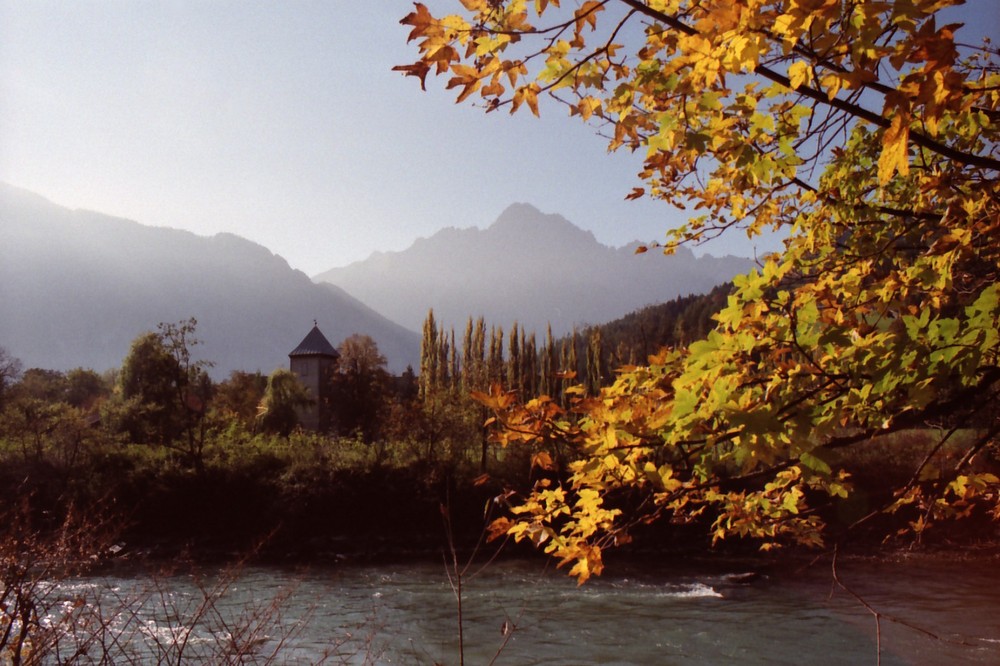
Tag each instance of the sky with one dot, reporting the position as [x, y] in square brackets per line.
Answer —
[284, 123]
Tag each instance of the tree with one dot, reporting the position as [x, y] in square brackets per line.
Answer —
[868, 133]
[430, 358]
[50, 413]
[360, 388]
[515, 380]
[10, 371]
[284, 396]
[165, 392]
[146, 386]
[85, 388]
[595, 364]
[239, 397]
[43, 385]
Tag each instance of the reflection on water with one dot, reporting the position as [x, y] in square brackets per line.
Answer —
[933, 613]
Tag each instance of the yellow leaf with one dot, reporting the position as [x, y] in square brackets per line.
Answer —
[586, 15]
[528, 94]
[800, 73]
[588, 106]
[832, 83]
[894, 154]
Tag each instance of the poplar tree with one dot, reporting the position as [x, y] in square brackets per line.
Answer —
[497, 370]
[546, 384]
[514, 378]
[468, 382]
[594, 358]
[479, 373]
[429, 357]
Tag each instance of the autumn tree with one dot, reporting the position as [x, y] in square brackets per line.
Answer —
[430, 358]
[447, 421]
[867, 133]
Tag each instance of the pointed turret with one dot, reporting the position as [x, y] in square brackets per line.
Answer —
[313, 362]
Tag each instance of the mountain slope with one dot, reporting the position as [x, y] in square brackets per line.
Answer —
[76, 287]
[529, 267]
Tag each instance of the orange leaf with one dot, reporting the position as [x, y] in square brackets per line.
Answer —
[542, 460]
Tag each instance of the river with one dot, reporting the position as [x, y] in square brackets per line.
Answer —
[934, 611]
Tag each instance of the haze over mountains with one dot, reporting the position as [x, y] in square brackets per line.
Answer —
[528, 267]
[76, 287]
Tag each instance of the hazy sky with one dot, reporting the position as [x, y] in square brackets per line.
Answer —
[283, 122]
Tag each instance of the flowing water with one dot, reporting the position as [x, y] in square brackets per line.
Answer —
[521, 612]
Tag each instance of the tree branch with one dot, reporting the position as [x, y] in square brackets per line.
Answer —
[821, 97]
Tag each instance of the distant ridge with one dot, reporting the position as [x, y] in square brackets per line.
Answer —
[528, 266]
[76, 287]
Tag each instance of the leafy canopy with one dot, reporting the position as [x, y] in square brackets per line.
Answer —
[864, 130]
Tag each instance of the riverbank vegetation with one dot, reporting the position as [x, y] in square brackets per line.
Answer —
[214, 470]
[215, 467]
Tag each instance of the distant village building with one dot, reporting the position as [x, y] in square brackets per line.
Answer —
[314, 362]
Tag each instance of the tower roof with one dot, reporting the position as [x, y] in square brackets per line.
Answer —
[315, 344]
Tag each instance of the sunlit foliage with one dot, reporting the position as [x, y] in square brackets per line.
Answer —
[864, 131]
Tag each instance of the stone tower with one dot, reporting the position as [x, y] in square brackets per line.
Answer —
[313, 362]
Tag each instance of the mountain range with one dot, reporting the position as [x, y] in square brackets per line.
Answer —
[76, 287]
[530, 267]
